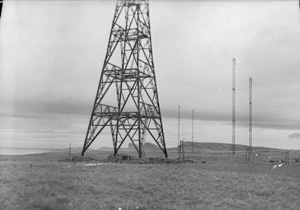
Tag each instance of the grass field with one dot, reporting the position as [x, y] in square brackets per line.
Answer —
[224, 181]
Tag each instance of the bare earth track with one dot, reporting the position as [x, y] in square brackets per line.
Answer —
[216, 180]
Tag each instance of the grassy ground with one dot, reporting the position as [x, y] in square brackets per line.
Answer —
[222, 182]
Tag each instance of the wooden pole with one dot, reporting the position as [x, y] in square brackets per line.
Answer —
[179, 130]
[70, 152]
[183, 150]
[192, 131]
[250, 114]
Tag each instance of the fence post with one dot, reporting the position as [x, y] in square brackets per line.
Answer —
[248, 152]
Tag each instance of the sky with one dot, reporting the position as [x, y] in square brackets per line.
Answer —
[51, 55]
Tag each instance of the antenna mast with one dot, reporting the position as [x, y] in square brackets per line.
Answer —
[233, 106]
[178, 125]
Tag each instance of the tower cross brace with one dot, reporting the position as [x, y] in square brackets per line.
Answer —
[127, 97]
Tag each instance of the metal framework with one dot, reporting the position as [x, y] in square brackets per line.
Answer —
[127, 97]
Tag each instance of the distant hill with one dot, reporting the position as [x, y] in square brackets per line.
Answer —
[147, 146]
[197, 146]
[105, 149]
[66, 150]
[218, 146]
[150, 146]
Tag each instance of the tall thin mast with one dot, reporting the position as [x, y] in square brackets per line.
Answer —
[250, 114]
[233, 106]
[179, 125]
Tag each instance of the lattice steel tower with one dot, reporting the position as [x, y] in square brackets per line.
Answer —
[127, 98]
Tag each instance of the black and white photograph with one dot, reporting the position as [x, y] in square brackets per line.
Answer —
[149, 104]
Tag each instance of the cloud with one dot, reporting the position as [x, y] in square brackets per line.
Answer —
[51, 65]
[294, 136]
